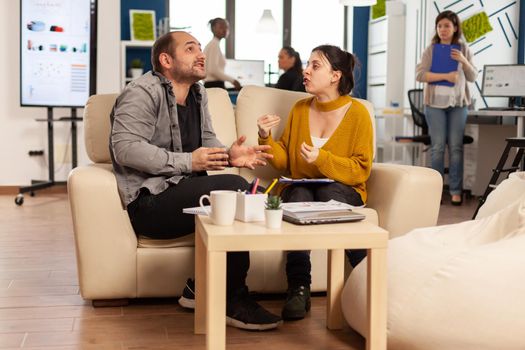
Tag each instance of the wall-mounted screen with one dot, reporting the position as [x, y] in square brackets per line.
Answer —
[247, 72]
[506, 80]
[57, 52]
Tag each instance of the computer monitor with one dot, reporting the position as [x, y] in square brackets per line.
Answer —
[247, 72]
[503, 80]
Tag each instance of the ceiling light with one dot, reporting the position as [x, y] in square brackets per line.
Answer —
[267, 23]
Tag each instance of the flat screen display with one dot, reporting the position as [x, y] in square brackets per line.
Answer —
[57, 52]
[247, 72]
[503, 80]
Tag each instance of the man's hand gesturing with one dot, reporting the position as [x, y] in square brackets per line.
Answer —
[205, 158]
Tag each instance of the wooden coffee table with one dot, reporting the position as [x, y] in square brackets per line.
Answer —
[213, 242]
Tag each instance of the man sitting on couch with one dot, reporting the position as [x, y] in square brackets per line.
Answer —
[162, 143]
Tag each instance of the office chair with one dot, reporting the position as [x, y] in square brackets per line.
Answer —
[415, 99]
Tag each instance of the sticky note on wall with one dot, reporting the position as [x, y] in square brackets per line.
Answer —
[476, 26]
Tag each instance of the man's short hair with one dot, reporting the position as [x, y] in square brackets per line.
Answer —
[164, 44]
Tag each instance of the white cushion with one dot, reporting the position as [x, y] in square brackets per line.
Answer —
[508, 191]
[452, 287]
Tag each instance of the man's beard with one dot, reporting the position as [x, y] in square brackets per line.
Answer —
[188, 75]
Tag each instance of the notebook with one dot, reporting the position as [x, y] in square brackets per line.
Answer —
[442, 62]
[309, 213]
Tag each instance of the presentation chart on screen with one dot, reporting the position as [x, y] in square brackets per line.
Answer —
[247, 72]
[55, 52]
[504, 80]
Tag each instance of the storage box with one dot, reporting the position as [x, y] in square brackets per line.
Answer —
[250, 207]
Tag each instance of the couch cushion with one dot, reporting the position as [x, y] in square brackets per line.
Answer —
[97, 126]
[184, 241]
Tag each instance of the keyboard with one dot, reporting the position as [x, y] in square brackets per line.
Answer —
[501, 109]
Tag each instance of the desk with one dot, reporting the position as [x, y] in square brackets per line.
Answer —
[491, 113]
[213, 242]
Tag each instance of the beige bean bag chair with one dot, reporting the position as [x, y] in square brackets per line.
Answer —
[458, 286]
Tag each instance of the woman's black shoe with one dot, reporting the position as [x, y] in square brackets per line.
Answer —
[457, 203]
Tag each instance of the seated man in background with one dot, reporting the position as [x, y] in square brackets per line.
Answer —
[162, 143]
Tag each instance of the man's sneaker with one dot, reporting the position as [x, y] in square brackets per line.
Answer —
[297, 303]
[243, 312]
[187, 299]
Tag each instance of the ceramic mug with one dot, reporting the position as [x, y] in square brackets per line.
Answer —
[223, 205]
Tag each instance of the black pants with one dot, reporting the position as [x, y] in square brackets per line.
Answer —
[215, 84]
[160, 216]
[298, 266]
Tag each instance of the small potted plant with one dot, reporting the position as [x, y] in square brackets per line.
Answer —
[137, 68]
[273, 212]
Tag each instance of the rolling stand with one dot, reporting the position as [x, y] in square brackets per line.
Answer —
[41, 184]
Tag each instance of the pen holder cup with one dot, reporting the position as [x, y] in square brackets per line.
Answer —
[250, 207]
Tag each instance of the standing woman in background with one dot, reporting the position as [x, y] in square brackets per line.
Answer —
[215, 60]
[290, 62]
[446, 106]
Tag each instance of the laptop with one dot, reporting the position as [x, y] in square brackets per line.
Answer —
[322, 217]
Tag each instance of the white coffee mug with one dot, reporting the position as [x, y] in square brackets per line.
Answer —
[223, 205]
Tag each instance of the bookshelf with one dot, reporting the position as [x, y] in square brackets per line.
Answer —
[124, 46]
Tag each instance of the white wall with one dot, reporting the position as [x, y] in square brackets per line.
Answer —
[19, 132]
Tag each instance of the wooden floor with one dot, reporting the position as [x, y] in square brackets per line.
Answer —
[40, 305]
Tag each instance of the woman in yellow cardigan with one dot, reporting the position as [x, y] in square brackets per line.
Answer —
[328, 135]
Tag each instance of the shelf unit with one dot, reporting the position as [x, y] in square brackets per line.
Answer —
[386, 57]
[124, 46]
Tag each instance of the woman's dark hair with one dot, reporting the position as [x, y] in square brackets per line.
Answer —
[213, 22]
[297, 65]
[164, 44]
[452, 17]
[342, 61]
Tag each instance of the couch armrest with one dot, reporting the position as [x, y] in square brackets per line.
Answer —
[106, 245]
[405, 197]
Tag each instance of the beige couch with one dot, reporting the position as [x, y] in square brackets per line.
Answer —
[114, 264]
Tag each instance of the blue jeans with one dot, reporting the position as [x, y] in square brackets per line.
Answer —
[447, 126]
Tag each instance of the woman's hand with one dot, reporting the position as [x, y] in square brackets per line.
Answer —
[451, 77]
[266, 123]
[309, 153]
[458, 56]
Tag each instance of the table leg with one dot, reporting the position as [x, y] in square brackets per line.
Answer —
[520, 126]
[216, 301]
[200, 283]
[336, 275]
[377, 299]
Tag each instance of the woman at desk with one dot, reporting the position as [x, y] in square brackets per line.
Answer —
[328, 135]
[446, 106]
[215, 61]
[290, 62]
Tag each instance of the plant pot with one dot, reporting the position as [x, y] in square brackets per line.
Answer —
[273, 218]
[136, 72]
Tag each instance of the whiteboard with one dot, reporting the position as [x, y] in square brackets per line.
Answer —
[57, 55]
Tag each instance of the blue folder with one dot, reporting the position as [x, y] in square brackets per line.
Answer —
[442, 62]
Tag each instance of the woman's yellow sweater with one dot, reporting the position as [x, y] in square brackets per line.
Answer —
[347, 155]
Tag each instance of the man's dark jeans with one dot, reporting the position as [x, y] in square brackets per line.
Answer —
[160, 216]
